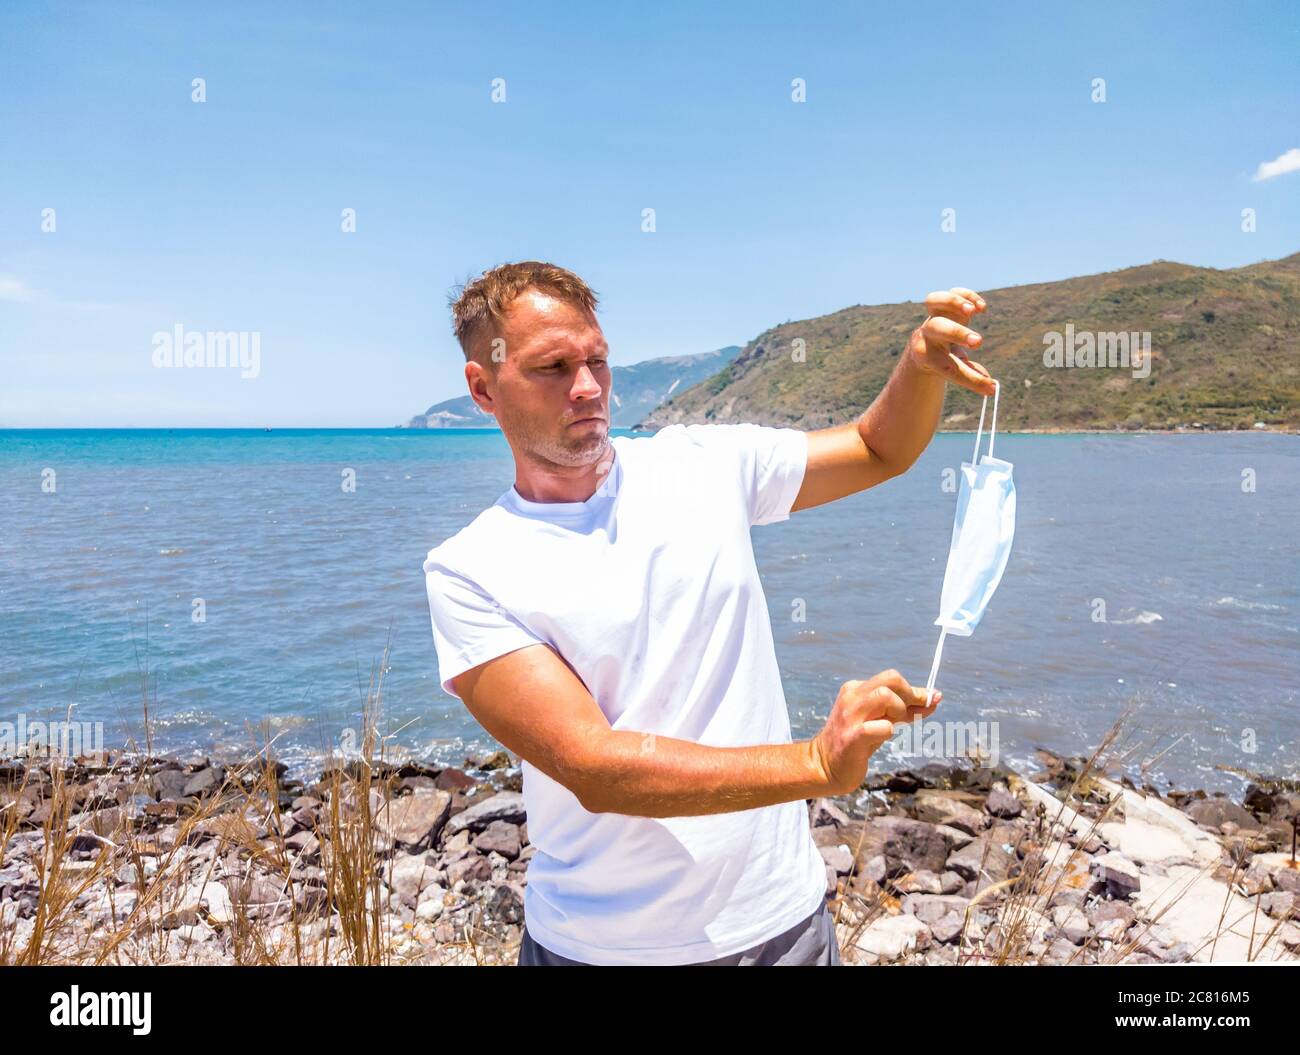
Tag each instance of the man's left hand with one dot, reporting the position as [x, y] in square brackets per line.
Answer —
[940, 344]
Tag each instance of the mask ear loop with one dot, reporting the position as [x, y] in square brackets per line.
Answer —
[993, 425]
[934, 668]
[979, 432]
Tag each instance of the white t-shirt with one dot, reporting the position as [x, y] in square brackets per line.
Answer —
[650, 592]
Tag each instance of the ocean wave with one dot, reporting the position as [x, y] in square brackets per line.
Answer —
[1248, 606]
[1142, 618]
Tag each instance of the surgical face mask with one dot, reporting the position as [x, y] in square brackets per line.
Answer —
[982, 531]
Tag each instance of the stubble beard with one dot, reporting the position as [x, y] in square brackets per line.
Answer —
[573, 448]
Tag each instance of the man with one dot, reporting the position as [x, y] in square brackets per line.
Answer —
[604, 620]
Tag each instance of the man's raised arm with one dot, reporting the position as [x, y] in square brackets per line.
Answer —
[888, 438]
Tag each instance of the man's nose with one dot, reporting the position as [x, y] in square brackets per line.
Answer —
[585, 384]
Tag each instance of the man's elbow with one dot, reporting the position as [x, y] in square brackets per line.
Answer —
[585, 774]
[887, 468]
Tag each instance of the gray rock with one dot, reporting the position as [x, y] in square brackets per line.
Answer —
[950, 883]
[1121, 876]
[957, 838]
[414, 820]
[1256, 879]
[929, 908]
[837, 857]
[458, 842]
[503, 806]
[1072, 924]
[1285, 878]
[473, 867]
[1059, 952]
[947, 929]
[431, 903]
[1071, 897]
[910, 846]
[1281, 904]
[922, 882]
[504, 904]
[169, 784]
[183, 917]
[1001, 803]
[408, 876]
[824, 811]
[890, 937]
[304, 843]
[983, 862]
[1102, 911]
[1089, 844]
[499, 837]
[876, 869]
[205, 781]
[1215, 811]
[940, 808]
[1111, 930]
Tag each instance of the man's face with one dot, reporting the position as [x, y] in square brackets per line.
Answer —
[553, 374]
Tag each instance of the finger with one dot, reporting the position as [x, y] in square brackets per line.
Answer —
[910, 695]
[897, 683]
[940, 330]
[886, 703]
[931, 707]
[878, 729]
[950, 305]
[972, 296]
[929, 704]
[969, 374]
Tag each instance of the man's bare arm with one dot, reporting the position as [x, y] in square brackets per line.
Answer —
[534, 704]
[888, 438]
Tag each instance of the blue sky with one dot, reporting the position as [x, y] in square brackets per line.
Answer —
[225, 215]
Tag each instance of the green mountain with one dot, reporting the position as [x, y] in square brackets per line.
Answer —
[1224, 354]
[637, 390]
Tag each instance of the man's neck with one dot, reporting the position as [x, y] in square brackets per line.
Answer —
[546, 482]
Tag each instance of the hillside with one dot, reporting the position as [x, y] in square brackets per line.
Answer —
[638, 389]
[1225, 353]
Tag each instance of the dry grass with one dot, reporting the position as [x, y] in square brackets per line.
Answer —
[1022, 904]
[325, 903]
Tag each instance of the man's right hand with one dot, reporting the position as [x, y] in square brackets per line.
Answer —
[862, 719]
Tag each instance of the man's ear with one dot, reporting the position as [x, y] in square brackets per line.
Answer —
[477, 379]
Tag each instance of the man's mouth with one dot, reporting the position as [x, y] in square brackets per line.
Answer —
[583, 421]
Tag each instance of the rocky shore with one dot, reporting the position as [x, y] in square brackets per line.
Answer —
[151, 860]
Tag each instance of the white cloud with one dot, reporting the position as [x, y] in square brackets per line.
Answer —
[15, 289]
[1284, 163]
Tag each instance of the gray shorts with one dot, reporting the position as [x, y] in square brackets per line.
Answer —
[811, 943]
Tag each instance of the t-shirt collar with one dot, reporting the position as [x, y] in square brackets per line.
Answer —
[608, 488]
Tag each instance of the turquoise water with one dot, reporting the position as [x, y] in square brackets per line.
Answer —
[303, 584]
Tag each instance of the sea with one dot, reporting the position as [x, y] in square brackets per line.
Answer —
[222, 592]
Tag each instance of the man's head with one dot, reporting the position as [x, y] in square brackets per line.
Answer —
[536, 360]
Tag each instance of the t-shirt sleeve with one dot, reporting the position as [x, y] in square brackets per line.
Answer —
[469, 626]
[770, 463]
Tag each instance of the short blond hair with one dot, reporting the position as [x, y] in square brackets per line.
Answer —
[478, 307]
